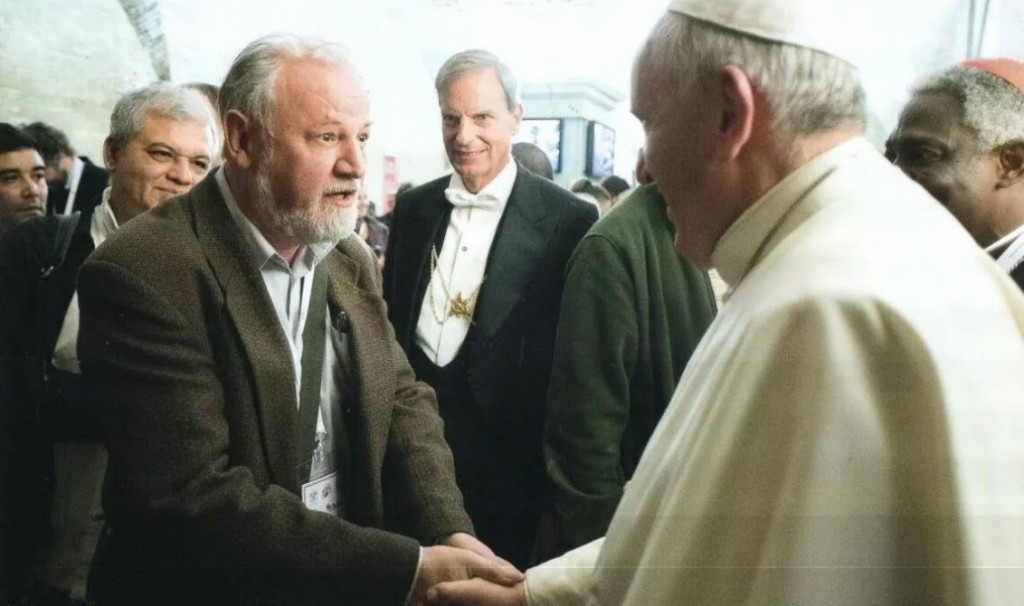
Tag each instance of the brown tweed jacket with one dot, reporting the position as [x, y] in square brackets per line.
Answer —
[192, 376]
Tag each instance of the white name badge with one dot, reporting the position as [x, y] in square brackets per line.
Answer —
[322, 494]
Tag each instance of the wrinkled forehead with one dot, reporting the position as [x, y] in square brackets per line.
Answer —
[319, 87]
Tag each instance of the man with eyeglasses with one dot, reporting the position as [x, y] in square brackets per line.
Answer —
[161, 143]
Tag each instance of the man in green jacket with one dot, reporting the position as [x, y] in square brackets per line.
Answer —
[632, 314]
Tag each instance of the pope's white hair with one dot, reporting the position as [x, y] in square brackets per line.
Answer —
[808, 91]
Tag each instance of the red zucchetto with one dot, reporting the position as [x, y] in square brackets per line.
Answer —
[1007, 69]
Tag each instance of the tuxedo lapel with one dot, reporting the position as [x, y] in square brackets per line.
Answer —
[521, 239]
[428, 216]
[250, 308]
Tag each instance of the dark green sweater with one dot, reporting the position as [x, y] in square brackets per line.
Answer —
[632, 313]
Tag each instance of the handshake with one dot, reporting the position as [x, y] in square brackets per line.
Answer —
[465, 571]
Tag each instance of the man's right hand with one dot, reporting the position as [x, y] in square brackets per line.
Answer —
[441, 564]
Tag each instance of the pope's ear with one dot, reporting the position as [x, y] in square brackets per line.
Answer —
[736, 123]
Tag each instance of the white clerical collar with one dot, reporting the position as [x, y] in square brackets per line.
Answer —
[1010, 248]
[737, 250]
[500, 187]
[259, 248]
[103, 222]
[1002, 242]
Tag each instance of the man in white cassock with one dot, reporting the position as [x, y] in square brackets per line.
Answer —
[851, 428]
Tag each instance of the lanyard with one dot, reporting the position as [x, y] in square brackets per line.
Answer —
[314, 336]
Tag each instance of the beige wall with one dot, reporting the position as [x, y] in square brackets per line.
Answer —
[66, 63]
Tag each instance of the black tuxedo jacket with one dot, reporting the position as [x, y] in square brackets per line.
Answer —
[510, 346]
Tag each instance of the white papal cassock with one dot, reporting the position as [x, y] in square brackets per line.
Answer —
[851, 429]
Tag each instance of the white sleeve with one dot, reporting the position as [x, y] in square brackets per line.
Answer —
[565, 580]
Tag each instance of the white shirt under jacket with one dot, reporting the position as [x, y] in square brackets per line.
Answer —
[461, 263]
[851, 428]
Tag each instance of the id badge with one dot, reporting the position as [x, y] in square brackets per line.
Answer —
[322, 494]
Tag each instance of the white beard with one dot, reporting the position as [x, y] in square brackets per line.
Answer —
[300, 225]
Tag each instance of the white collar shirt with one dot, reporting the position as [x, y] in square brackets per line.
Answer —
[458, 269]
[74, 178]
[290, 288]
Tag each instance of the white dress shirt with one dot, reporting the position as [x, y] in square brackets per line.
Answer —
[461, 263]
[290, 287]
[74, 177]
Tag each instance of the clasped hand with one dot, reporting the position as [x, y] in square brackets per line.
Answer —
[465, 571]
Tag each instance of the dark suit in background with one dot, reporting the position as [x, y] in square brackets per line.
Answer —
[492, 395]
[87, 197]
[180, 341]
[43, 405]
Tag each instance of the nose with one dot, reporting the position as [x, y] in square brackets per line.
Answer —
[351, 161]
[34, 188]
[465, 132]
[180, 172]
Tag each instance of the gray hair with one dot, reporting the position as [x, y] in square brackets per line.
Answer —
[992, 107]
[471, 60]
[250, 84]
[808, 91]
[158, 99]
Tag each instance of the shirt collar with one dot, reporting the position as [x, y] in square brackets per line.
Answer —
[1002, 243]
[75, 174]
[742, 244]
[500, 187]
[260, 250]
[103, 221]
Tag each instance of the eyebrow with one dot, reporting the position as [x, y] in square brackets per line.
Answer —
[175, 150]
[914, 140]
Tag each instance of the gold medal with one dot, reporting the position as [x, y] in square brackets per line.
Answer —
[461, 308]
[454, 307]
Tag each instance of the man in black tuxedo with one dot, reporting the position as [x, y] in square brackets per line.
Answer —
[75, 182]
[473, 278]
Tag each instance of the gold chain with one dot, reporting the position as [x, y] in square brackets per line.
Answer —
[456, 306]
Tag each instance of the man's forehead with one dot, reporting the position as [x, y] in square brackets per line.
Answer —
[933, 112]
[484, 81]
[319, 90]
[299, 77]
[22, 159]
[190, 137]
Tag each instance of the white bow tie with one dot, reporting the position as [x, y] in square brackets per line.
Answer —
[461, 198]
